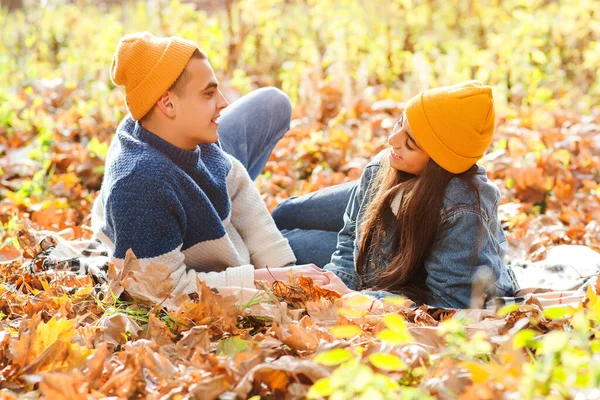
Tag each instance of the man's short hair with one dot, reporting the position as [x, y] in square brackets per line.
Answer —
[178, 87]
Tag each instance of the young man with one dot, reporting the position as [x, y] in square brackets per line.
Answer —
[170, 193]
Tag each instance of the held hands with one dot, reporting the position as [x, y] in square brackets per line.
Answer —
[326, 280]
[335, 283]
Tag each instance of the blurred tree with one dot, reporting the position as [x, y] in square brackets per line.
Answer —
[11, 4]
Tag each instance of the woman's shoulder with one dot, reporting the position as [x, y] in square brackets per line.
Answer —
[460, 195]
[377, 161]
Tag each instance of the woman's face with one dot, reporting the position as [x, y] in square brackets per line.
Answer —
[406, 154]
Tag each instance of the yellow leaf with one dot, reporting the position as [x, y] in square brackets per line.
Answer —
[395, 322]
[539, 57]
[333, 357]
[348, 312]
[84, 291]
[562, 156]
[358, 301]
[387, 362]
[479, 372]
[322, 388]
[48, 333]
[345, 331]
[338, 139]
[394, 337]
[397, 301]
[593, 304]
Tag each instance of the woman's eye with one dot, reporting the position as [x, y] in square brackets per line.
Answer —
[408, 145]
[210, 94]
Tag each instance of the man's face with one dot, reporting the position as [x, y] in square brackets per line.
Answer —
[198, 106]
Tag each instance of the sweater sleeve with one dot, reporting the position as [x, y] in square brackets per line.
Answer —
[249, 215]
[149, 220]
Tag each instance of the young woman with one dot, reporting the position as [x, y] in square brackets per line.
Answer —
[422, 221]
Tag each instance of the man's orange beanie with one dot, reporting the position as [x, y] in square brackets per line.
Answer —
[147, 66]
[453, 124]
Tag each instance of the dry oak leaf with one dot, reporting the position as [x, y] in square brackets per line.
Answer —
[276, 375]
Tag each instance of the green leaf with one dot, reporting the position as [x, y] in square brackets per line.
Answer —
[231, 346]
[333, 357]
[387, 362]
[523, 338]
[556, 313]
[507, 309]
[510, 183]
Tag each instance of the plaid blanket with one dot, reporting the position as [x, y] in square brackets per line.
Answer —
[562, 277]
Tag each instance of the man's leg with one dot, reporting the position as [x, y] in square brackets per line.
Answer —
[250, 127]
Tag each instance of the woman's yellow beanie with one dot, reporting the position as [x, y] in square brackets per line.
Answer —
[147, 66]
[453, 124]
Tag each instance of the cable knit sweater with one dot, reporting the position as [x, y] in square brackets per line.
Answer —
[196, 211]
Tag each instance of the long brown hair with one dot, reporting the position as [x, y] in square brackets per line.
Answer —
[416, 226]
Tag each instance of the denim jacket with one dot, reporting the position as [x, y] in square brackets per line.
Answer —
[449, 265]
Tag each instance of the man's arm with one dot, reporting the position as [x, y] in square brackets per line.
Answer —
[249, 215]
[150, 220]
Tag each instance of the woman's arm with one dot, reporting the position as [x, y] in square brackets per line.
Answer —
[342, 260]
[464, 245]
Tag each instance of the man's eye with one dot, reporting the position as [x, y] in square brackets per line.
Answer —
[210, 94]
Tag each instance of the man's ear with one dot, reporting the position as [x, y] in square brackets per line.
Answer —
[166, 105]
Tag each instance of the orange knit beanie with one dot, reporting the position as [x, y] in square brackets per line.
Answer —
[147, 66]
[453, 124]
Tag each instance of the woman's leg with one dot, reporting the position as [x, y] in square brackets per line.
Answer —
[322, 210]
[250, 127]
[311, 246]
[311, 222]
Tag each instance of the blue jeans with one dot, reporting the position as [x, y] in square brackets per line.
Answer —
[249, 129]
[311, 222]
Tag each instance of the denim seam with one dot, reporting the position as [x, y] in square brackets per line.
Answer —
[460, 209]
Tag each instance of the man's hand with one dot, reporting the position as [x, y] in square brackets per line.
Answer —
[319, 277]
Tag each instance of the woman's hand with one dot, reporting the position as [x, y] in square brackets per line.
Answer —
[335, 283]
[319, 277]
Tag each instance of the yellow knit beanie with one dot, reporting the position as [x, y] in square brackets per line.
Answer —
[147, 66]
[453, 124]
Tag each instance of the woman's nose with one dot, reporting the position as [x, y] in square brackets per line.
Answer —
[394, 139]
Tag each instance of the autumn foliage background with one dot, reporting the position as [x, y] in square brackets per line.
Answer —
[348, 66]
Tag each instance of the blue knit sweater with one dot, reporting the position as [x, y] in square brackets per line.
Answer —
[195, 211]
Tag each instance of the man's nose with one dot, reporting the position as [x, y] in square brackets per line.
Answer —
[223, 101]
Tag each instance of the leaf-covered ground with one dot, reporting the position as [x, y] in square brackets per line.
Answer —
[64, 337]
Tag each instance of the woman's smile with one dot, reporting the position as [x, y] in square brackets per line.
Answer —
[394, 154]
